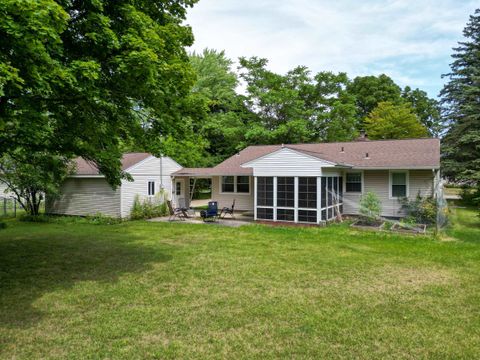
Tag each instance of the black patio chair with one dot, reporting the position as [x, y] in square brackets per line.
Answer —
[179, 213]
[211, 214]
[228, 211]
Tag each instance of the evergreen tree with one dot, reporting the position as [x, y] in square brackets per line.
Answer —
[461, 108]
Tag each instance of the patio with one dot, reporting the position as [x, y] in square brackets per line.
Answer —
[241, 219]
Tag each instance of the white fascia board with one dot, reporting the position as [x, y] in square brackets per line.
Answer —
[252, 162]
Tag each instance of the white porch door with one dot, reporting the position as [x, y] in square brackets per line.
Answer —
[179, 192]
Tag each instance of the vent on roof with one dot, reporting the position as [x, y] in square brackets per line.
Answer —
[366, 156]
[343, 149]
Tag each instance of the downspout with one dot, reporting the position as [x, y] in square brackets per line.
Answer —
[161, 172]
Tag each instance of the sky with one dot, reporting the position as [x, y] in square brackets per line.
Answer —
[409, 40]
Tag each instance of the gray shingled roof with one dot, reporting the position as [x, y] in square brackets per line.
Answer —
[84, 167]
[382, 154]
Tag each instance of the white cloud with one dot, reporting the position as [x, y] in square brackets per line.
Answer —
[398, 37]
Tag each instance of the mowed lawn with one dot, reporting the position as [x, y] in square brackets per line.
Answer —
[154, 290]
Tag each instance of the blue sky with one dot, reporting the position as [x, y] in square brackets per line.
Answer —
[409, 40]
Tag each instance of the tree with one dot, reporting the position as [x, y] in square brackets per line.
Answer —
[30, 176]
[369, 91]
[296, 107]
[460, 99]
[427, 110]
[335, 107]
[223, 124]
[73, 75]
[390, 121]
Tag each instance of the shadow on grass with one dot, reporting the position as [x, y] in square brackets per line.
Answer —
[36, 262]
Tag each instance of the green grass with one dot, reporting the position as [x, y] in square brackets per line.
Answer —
[158, 290]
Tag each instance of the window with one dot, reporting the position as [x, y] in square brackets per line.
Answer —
[286, 191]
[151, 188]
[178, 188]
[399, 184]
[236, 184]
[353, 182]
[285, 215]
[307, 192]
[228, 184]
[265, 191]
[243, 184]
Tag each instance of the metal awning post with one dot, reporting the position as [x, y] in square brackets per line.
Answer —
[193, 189]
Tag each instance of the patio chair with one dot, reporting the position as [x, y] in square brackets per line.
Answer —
[228, 211]
[179, 213]
[211, 214]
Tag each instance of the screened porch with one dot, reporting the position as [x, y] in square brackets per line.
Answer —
[299, 199]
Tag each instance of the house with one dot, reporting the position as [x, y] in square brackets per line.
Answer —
[87, 192]
[311, 182]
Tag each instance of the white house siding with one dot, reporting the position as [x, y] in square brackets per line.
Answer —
[242, 201]
[287, 162]
[86, 196]
[3, 187]
[377, 181]
[142, 173]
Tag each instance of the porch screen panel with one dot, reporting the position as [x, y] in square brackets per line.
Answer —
[324, 192]
[285, 214]
[329, 191]
[265, 213]
[286, 191]
[265, 191]
[307, 192]
[309, 216]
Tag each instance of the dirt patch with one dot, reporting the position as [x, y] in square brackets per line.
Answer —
[393, 279]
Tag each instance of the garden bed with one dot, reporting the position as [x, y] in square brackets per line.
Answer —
[409, 229]
[369, 225]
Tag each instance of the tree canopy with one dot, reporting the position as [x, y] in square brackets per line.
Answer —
[74, 73]
[390, 121]
[461, 107]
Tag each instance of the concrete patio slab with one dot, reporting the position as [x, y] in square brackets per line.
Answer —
[240, 220]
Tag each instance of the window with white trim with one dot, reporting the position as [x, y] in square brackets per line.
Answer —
[398, 184]
[228, 184]
[235, 184]
[353, 182]
[151, 188]
[243, 184]
[178, 188]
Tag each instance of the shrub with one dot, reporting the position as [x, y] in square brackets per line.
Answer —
[421, 210]
[149, 208]
[370, 207]
[101, 219]
[34, 218]
[470, 196]
[3, 225]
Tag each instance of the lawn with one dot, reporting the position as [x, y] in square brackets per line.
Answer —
[157, 290]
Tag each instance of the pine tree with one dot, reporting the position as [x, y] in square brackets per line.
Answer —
[461, 108]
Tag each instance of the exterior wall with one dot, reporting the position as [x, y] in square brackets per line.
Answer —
[142, 173]
[287, 162]
[242, 201]
[85, 196]
[3, 187]
[377, 181]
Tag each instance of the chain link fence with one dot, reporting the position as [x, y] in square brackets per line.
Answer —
[9, 206]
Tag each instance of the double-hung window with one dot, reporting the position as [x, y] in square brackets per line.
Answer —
[243, 184]
[398, 183]
[353, 182]
[151, 188]
[228, 184]
[235, 184]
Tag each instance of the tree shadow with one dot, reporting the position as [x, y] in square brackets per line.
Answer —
[42, 261]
